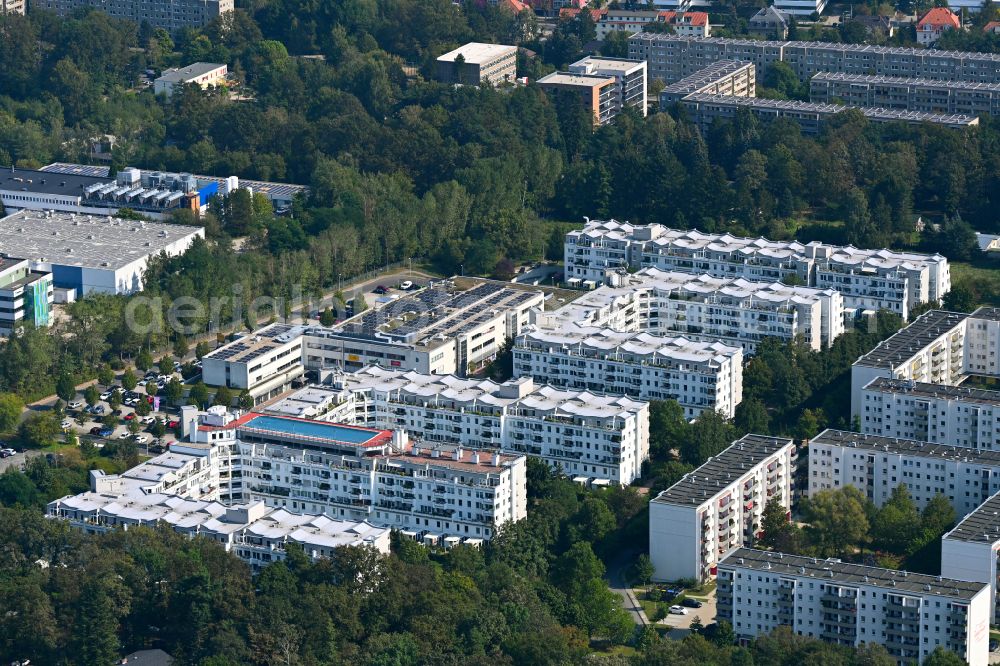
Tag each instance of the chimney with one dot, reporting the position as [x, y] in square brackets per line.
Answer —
[457, 453]
[496, 459]
[475, 457]
[436, 453]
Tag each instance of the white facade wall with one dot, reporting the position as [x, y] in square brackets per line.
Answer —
[876, 465]
[697, 375]
[910, 614]
[718, 507]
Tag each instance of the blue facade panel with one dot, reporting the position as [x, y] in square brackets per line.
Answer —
[68, 277]
[207, 192]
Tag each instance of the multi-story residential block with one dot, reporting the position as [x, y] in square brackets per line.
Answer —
[935, 23]
[171, 15]
[876, 465]
[937, 348]
[203, 74]
[597, 93]
[698, 375]
[264, 364]
[705, 109]
[867, 279]
[726, 77]
[440, 493]
[850, 604]
[476, 62]
[970, 550]
[938, 413]
[629, 76]
[694, 24]
[588, 436]
[12, 7]
[702, 307]
[894, 92]
[717, 508]
[25, 295]
[673, 57]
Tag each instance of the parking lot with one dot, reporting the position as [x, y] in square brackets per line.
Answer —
[706, 614]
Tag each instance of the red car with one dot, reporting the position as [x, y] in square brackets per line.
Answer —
[173, 424]
[381, 289]
[129, 417]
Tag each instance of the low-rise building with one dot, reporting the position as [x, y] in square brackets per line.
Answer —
[587, 436]
[867, 279]
[877, 465]
[939, 347]
[476, 62]
[730, 310]
[894, 92]
[910, 614]
[726, 77]
[25, 295]
[717, 508]
[91, 253]
[938, 413]
[629, 20]
[698, 375]
[935, 23]
[629, 75]
[203, 74]
[598, 94]
[769, 23]
[12, 7]
[264, 364]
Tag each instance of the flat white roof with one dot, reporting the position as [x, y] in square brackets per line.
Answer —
[570, 79]
[88, 241]
[478, 52]
[189, 73]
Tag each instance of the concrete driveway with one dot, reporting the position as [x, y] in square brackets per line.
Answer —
[706, 614]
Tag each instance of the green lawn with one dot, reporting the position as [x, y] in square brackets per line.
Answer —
[982, 279]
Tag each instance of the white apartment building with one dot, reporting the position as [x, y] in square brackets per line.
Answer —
[589, 437]
[264, 363]
[867, 279]
[850, 604]
[703, 307]
[439, 494]
[698, 375]
[939, 347]
[202, 74]
[938, 413]
[475, 62]
[629, 76]
[876, 465]
[717, 508]
[970, 550]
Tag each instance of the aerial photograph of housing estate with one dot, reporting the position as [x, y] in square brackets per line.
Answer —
[499, 332]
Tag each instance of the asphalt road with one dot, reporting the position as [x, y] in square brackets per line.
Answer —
[616, 583]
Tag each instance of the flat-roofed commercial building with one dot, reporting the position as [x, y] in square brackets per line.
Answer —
[939, 347]
[907, 94]
[437, 330]
[867, 279]
[171, 15]
[726, 77]
[203, 74]
[939, 413]
[629, 75]
[476, 62]
[698, 375]
[90, 253]
[672, 57]
[717, 508]
[597, 93]
[970, 550]
[876, 465]
[730, 310]
[25, 295]
[705, 109]
[588, 436]
[910, 614]
[264, 363]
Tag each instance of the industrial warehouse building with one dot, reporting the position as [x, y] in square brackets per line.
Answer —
[91, 253]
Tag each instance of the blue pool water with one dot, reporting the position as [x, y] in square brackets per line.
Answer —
[331, 431]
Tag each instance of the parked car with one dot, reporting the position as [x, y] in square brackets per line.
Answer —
[105, 395]
[148, 420]
[98, 409]
[381, 289]
[157, 448]
[129, 417]
[106, 432]
[678, 610]
[124, 435]
[691, 603]
[96, 430]
[173, 424]
[140, 439]
[7, 453]
[406, 285]
[66, 424]
[75, 404]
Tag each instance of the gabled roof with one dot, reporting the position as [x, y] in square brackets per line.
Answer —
[992, 26]
[939, 17]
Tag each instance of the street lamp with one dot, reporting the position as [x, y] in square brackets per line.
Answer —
[462, 267]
